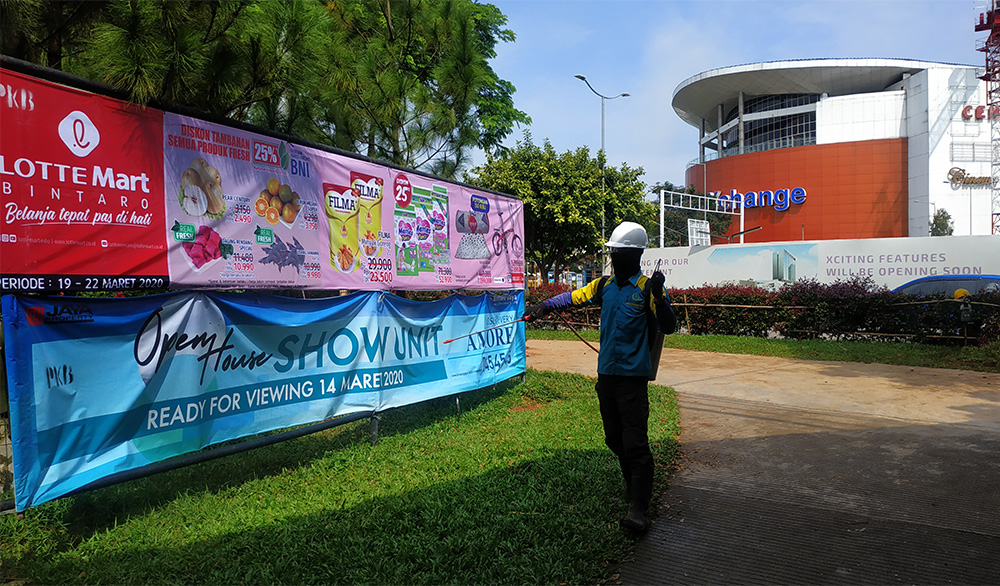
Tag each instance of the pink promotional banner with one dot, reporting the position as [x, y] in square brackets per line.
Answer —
[249, 211]
[243, 210]
[100, 194]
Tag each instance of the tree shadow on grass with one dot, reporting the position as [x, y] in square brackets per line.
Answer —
[101, 508]
[547, 520]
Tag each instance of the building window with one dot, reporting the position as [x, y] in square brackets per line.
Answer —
[970, 152]
[776, 102]
[772, 133]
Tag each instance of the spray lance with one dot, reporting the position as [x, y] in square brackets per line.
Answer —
[657, 343]
[449, 341]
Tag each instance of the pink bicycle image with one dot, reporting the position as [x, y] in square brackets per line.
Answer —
[500, 234]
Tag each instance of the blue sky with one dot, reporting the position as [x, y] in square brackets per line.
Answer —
[647, 48]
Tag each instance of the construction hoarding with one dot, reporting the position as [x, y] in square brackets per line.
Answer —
[885, 261]
[100, 194]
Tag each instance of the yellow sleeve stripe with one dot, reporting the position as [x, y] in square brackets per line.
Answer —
[586, 294]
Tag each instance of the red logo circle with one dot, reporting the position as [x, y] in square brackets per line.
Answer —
[402, 191]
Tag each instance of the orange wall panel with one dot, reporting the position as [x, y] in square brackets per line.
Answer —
[853, 190]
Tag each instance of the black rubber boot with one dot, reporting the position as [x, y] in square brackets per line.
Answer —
[636, 519]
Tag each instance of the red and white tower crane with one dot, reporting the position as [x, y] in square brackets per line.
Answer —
[990, 22]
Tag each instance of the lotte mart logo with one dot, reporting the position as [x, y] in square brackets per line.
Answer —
[79, 133]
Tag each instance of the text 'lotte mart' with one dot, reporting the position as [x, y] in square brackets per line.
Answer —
[843, 148]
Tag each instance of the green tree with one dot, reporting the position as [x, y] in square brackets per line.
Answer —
[563, 200]
[404, 81]
[219, 56]
[47, 33]
[410, 82]
[941, 224]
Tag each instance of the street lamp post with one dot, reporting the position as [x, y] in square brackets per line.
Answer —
[603, 99]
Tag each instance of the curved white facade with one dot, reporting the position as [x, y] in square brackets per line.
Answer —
[937, 109]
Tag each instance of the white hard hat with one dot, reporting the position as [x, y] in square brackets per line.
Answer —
[628, 235]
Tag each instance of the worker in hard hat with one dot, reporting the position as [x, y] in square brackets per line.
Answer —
[633, 307]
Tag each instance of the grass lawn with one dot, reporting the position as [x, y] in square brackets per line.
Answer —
[518, 489]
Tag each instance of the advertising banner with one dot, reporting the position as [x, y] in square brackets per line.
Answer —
[891, 262]
[257, 213]
[81, 179]
[99, 194]
[454, 236]
[100, 386]
[243, 210]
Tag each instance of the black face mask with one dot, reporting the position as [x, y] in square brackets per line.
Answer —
[625, 263]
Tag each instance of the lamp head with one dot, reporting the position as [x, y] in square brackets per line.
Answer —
[583, 77]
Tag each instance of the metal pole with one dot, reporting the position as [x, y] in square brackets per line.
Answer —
[742, 221]
[661, 218]
[373, 430]
[6, 438]
[602, 124]
[583, 78]
[604, 260]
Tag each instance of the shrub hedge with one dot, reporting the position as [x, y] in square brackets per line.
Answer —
[852, 309]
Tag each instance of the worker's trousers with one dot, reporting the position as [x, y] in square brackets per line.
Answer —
[624, 404]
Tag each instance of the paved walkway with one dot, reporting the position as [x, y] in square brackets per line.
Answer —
[808, 472]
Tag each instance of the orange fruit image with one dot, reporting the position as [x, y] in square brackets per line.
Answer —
[271, 215]
[260, 206]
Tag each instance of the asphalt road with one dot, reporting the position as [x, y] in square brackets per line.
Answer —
[809, 472]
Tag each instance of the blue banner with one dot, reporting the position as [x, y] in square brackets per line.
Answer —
[100, 386]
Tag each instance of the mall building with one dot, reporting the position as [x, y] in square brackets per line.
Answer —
[843, 148]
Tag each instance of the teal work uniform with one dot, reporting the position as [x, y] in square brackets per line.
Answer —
[625, 330]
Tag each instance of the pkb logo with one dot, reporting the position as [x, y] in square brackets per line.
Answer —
[17, 99]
